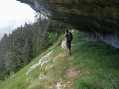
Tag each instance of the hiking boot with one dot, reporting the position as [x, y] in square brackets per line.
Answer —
[68, 54]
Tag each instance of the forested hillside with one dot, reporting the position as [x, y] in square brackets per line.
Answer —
[93, 65]
[25, 43]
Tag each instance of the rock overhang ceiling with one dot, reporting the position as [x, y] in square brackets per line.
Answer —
[94, 18]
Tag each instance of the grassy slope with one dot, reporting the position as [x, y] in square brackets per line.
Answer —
[98, 65]
[22, 81]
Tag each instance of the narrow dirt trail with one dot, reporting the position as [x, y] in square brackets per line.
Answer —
[71, 73]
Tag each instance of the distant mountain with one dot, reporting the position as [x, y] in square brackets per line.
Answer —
[5, 30]
[12, 25]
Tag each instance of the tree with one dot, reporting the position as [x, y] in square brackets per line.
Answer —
[26, 42]
[26, 54]
[9, 61]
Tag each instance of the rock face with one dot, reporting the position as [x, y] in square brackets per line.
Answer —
[95, 18]
[41, 62]
[63, 45]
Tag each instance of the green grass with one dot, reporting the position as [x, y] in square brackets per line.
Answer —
[22, 81]
[97, 62]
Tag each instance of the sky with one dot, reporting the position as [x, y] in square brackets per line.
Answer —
[14, 14]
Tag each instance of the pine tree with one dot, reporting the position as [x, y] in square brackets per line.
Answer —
[9, 61]
[37, 48]
[45, 41]
[26, 54]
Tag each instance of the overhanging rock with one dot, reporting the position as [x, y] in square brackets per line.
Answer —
[92, 17]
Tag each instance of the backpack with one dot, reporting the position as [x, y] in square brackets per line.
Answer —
[70, 36]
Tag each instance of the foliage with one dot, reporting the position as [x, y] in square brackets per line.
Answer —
[96, 62]
[26, 54]
[8, 61]
[25, 43]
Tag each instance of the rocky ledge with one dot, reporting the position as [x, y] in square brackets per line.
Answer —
[94, 18]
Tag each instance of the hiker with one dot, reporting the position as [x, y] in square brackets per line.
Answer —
[69, 38]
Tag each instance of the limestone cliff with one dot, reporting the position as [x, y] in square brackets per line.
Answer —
[95, 18]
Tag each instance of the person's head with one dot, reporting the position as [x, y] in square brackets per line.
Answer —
[66, 31]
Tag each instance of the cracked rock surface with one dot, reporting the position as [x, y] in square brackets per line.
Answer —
[94, 18]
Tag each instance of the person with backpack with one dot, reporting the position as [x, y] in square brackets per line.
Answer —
[69, 38]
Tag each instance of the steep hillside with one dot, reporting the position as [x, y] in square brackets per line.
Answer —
[93, 65]
[20, 47]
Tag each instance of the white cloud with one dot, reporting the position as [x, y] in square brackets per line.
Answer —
[14, 13]
[14, 10]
